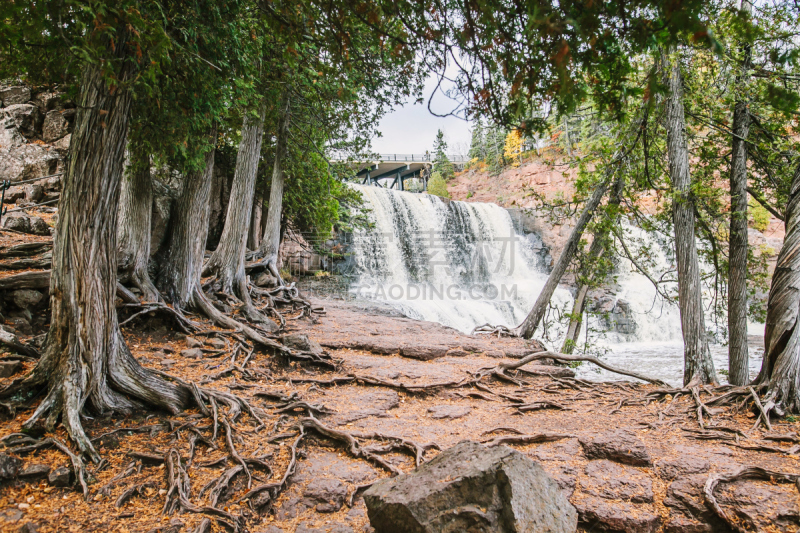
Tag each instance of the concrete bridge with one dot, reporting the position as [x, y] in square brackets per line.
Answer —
[391, 171]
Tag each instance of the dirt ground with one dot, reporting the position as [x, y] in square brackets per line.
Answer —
[630, 457]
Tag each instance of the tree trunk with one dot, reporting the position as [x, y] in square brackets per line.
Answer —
[596, 250]
[780, 368]
[738, 369]
[85, 359]
[531, 322]
[182, 254]
[255, 231]
[133, 229]
[227, 261]
[698, 365]
[270, 243]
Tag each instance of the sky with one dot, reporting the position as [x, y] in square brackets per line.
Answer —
[411, 129]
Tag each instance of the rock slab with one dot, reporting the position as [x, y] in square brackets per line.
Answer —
[471, 487]
[617, 445]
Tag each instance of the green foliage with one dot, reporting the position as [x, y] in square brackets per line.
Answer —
[441, 164]
[759, 216]
[438, 186]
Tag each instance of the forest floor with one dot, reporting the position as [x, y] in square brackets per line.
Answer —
[630, 456]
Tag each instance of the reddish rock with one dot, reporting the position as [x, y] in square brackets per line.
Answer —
[618, 445]
[449, 411]
[599, 514]
[617, 482]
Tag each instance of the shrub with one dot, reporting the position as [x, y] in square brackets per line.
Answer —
[437, 186]
[759, 216]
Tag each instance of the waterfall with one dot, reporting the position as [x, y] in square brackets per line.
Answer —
[457, 263]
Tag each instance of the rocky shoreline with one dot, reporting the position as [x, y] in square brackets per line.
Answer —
[627, 456]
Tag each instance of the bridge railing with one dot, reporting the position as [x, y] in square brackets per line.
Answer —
[409, 158]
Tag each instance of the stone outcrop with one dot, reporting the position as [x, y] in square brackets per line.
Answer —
[617, 445]
[471, 488]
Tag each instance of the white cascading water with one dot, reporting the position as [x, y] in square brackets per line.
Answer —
[460, 264]
[463, 265]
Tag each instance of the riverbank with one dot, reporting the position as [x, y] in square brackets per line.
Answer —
[629, 458]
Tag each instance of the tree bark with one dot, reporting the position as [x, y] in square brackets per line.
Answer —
[227, 261]
[85, 360]
[254, 233]
[270, 242]
[698, 365]
[780, 368]
[738, 369]
[182, 253]
[134, 227]
[596, 250]
[531, 322]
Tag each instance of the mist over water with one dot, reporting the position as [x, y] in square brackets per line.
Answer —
[463, 264]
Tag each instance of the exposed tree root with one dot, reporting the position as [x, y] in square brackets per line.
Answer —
[748, 472]
[527, 439]
[9, 340]
[500, 370]
[202, 303]
[185, 325]
[488, 329]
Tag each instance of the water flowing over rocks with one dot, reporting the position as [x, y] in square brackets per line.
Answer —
[471, 488]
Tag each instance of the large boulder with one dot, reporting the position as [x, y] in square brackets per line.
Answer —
[15, 95]
[55, 126]
[17, 221]
[28, 161]
[26, 298]
[471, 487]
[39, 226]
[10, 136]
[25, 117]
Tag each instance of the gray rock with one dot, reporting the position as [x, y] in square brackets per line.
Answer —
[10, 137]
[47, 101]
[299, 341]
[15, 95]
[9, 466]
[604, 515]
[28, 161]
[17, 221]
[471, 488]
[9, 368]
[325, 495]
[14, 193]
[33, 472]
[25, 116]
[191, 353]
[617, 482]
[264, 279]
[20, 324]
[55, 126]
[333, 527]
[34, 193]
[12, 515]
[217, 343]
[62, 144]
[449, 411]
[191, 342]
[60, 477]
[26, 298]
[617, 445]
